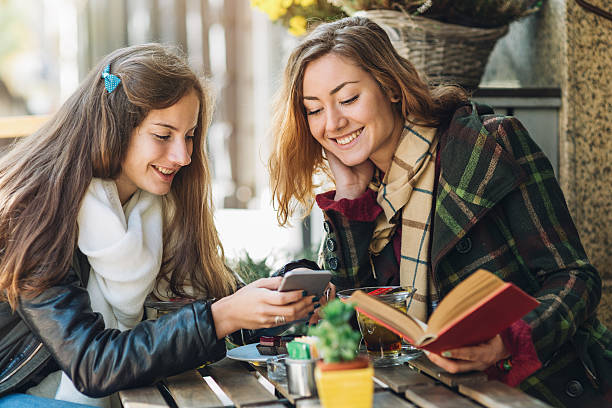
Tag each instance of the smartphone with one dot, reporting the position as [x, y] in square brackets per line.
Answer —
[313, 282]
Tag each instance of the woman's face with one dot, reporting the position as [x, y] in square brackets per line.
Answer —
[159, 147]
[348, 113]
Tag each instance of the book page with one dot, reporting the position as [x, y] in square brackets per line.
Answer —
[388, 316]
[462, 298]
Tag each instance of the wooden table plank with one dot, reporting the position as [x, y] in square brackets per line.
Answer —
[382, 399]
[495, 394]
[400, 378]
[144, 397]
[386, 399]
[238, 383]
[189, 390]
[281, 387]
[437, 397]
[452, 380]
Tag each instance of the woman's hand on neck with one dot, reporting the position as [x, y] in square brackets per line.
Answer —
[351, 181]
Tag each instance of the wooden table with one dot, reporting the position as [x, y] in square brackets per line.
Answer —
[417, 384]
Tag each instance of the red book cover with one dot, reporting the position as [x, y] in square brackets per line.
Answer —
[486, 319]
[479, 322]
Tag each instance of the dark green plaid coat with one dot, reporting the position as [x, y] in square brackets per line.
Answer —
[499, 207]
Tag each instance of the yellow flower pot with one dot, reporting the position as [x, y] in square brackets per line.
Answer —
[345, 388]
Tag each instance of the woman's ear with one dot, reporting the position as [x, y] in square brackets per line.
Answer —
[393, 96]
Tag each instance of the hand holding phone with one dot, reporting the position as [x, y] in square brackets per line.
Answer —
[313, 282]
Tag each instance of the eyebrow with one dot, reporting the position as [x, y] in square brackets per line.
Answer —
[169, 126]
[333, 91]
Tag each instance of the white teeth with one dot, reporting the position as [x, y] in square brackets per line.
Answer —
[349, 138]
[164, 170]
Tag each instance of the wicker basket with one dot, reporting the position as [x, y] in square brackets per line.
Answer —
[445, 53]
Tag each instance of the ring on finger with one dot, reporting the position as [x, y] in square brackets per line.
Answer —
[327, 292]
[279, 320]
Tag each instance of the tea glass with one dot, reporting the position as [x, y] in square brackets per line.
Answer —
[384, 347]
[276, 368]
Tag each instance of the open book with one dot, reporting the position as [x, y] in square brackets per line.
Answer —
[473, 312]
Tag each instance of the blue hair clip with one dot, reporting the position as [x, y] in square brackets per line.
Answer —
[110, 81]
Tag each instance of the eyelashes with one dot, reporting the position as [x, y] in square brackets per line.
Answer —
[350, 100]
[167, 137]
[345, 102]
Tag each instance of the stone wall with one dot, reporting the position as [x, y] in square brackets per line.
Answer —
[567, 47]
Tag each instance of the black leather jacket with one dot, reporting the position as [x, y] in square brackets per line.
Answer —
[58, 330]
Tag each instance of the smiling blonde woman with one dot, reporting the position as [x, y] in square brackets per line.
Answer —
[430, 187]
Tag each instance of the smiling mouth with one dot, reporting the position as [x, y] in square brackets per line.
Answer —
[164, 170]
[348, 139]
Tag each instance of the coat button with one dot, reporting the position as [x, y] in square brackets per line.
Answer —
[326, 226]
[330, 244]
[333, 263]
[574, 388]
[464, 245]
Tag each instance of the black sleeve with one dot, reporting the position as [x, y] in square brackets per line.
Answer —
[101, 361]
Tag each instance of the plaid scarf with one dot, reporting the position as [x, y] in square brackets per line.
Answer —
[407, 189]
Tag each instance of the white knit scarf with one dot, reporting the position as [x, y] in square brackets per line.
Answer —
[124, 250]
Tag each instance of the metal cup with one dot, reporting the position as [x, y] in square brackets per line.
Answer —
[300, 377]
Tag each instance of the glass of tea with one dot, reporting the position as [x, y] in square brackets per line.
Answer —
[383, 346]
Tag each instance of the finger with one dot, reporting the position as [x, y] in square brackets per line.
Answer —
[291, 312]
[283, 298]
[487, 353]
[268, 283]
[474, 353]
[330, 156]
[314, 318]
[329, 294]
[455, 366]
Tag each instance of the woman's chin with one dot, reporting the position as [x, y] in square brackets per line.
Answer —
[353, 161]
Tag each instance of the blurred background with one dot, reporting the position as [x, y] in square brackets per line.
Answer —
[552, 70]
[47, 47]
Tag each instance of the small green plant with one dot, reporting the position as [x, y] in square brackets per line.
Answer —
[337, 340]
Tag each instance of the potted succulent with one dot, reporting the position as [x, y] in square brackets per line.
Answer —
[447, 40]
[343, 378]
[298, 15]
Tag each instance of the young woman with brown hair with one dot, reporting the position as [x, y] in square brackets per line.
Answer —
[109, 201]
[429, 187]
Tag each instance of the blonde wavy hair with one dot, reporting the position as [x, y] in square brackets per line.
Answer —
[43, 178]
[296, 156]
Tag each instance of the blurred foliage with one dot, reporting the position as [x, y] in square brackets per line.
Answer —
[250, 270]
[298, 15]
[13, 27]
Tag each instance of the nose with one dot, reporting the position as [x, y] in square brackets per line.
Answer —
[180, 152]
[335, 120]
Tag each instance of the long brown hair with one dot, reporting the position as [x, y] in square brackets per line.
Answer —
[43, 178]
[296, 155]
